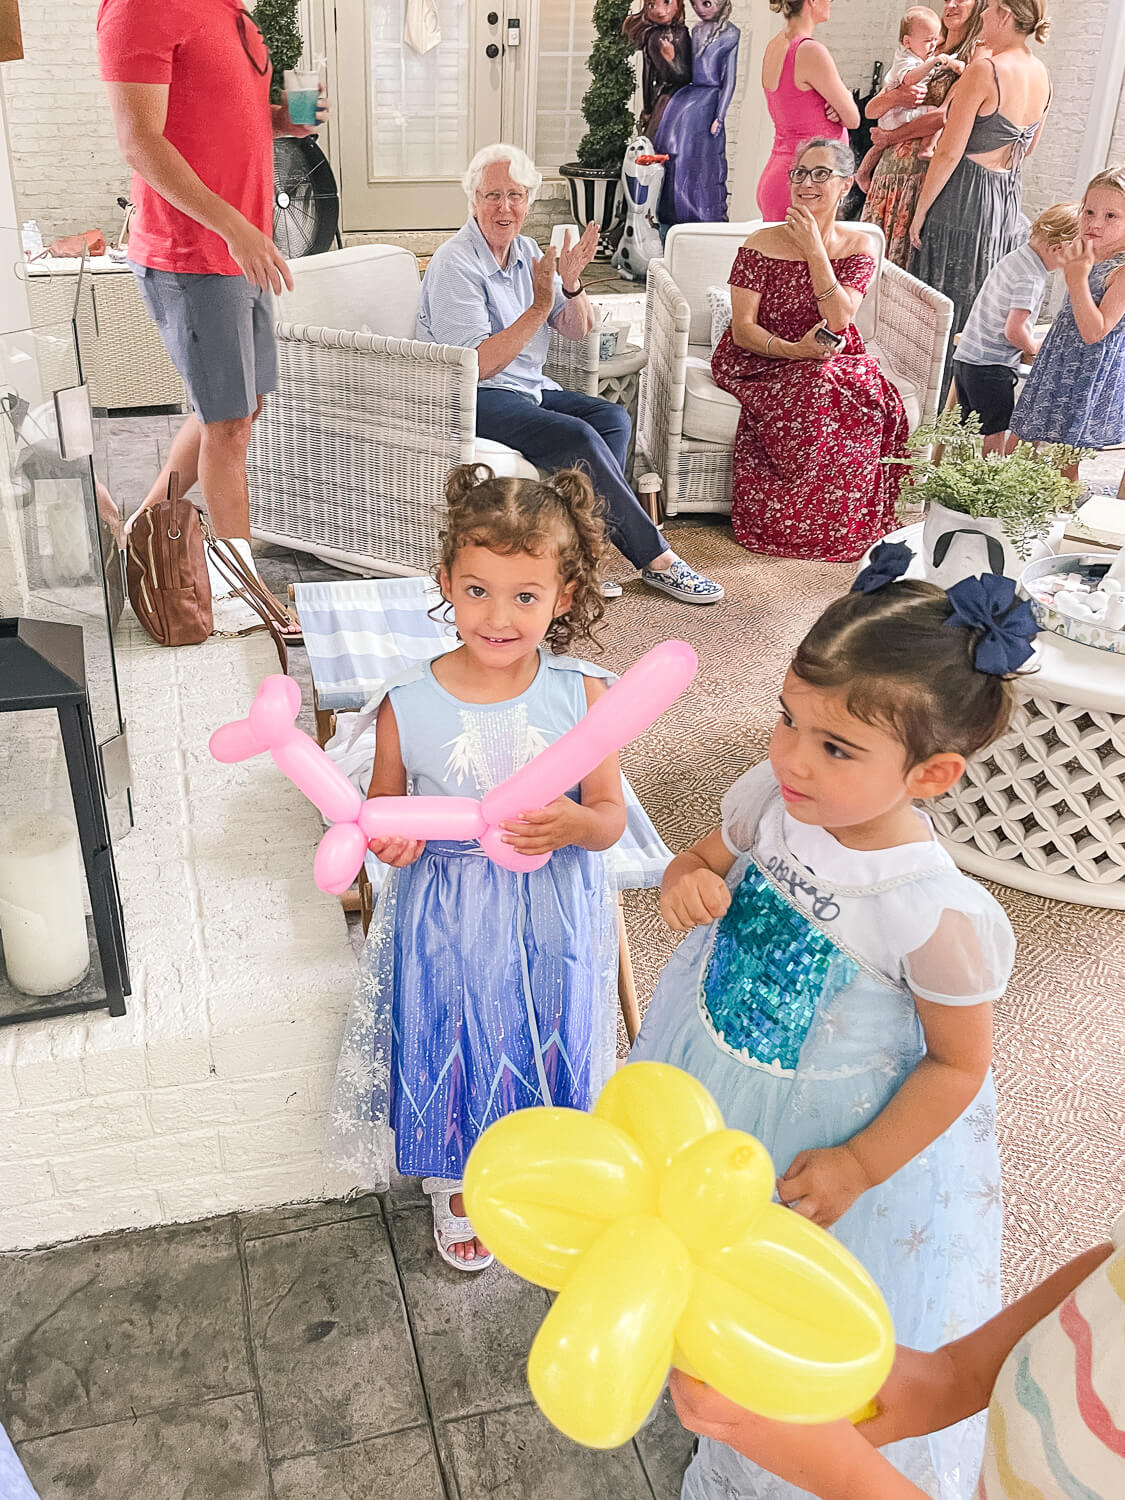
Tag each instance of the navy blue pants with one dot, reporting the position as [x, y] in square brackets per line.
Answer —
[570, 430]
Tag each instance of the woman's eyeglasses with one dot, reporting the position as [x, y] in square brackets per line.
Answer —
[513, 199]
[816, 174]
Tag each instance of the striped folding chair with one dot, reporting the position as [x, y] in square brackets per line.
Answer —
[362, 633]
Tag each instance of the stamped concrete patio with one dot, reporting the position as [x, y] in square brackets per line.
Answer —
[313, 1353]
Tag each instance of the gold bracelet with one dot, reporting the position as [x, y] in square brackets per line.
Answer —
[831, 292]
[769, 341]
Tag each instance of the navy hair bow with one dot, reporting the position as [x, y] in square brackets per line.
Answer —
[888, 561]
[988, 604]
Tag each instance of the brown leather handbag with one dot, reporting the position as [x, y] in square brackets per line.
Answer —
[166, 570]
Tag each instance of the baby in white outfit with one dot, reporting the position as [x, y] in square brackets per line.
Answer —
[916, 57]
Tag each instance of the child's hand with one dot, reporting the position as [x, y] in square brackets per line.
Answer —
[1077, 259]
[667, 49]
[823, 1184]
[545, 830]
[695, 899]
[397, 851]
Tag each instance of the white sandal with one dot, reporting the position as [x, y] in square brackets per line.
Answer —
[450, 1230]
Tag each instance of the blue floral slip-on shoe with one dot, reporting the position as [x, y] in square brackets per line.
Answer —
[684, 583]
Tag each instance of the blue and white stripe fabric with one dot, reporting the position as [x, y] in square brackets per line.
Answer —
[362, 634]
[1019, 280]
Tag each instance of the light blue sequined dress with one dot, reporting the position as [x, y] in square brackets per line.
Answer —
[796, 1011]
[481, 991]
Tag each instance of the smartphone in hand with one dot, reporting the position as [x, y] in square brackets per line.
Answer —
[829, 339]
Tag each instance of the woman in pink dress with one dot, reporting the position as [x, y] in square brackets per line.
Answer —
[817, 421]
[805, 94]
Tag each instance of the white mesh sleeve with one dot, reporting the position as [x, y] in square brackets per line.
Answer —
[743, 805]
[967, 959]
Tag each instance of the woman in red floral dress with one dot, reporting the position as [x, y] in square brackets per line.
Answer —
[817, 423]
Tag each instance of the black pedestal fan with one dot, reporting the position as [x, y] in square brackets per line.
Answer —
[306, 204]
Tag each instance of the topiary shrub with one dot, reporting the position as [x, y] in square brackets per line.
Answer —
[606, 105]
[277, 21]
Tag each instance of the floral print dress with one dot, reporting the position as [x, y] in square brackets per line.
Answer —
[810, 479]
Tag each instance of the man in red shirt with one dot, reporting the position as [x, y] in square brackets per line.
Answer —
[189, 87]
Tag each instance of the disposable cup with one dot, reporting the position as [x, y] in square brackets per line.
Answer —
[302, 89]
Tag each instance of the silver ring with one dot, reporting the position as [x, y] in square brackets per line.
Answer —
[174, 536]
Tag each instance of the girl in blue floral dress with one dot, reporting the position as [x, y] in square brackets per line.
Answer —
[1076, 390]
[484, 991]
[836, 993]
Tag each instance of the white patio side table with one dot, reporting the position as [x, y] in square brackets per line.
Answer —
[619, 380]
[1043, 809]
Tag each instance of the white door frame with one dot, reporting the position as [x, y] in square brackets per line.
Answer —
[1105, 100]
[755, 129]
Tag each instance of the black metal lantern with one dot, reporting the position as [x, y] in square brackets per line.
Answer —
[56, 959]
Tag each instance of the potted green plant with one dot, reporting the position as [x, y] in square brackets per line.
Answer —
[277, 21]
[595, 178]
[984, 512]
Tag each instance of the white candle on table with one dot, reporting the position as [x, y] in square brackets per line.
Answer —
[42, 916]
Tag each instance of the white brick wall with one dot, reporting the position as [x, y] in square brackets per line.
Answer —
[67, 168]
[1071, 53]
[211, 1093]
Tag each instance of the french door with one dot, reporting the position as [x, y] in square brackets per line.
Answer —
[408, 122]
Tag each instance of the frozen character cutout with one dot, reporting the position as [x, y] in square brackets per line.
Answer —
[659, 33]
[692, 130]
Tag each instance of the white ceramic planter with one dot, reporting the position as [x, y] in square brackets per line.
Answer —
[957, 546]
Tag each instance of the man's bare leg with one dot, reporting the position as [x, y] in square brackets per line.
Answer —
[183, 459]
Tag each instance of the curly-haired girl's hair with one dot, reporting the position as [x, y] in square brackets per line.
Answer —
[903, 668]
[560, 515]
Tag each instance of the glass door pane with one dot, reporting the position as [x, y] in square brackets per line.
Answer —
[412, 121]
[418, 105]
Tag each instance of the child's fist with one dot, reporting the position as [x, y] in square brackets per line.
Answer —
[823, 1184]
[695, 899]
[397, 851]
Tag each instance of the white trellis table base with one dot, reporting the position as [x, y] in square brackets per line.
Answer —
[1043, 809]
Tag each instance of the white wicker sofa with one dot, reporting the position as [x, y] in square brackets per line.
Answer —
[686, 424]
[349, 457]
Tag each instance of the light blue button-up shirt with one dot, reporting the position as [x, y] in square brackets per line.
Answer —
[466, 297]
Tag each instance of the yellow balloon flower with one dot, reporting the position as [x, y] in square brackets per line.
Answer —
[654, 1224]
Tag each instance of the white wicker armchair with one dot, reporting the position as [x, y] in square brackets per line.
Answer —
[349, 457]
[686, 424]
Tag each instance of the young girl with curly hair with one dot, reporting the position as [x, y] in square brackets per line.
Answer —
[483, 991]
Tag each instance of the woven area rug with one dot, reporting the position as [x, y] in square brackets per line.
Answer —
[1060, 1030]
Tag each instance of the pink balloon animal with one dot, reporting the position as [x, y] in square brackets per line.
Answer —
[630, 706]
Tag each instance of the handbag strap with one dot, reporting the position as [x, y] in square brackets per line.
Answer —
[248, 587]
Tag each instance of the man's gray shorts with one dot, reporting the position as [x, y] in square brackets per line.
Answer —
[219, 334]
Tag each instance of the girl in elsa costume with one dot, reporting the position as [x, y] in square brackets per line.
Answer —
[836, 992]
[484, 991]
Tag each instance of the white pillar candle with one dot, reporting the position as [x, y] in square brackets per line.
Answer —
[42, 915]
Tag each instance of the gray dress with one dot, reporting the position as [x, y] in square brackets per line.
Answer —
[976, 219]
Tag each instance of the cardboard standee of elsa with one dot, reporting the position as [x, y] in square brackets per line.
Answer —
[659, 33]
[692, 128]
